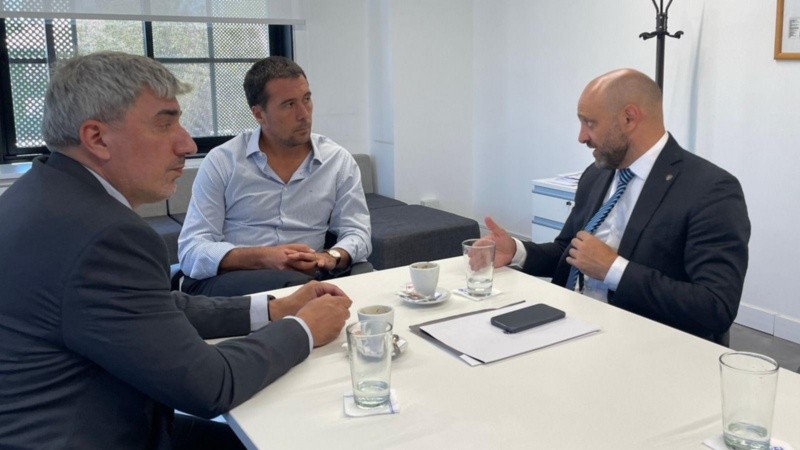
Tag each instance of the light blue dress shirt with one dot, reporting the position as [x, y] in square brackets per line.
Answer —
[239, 201]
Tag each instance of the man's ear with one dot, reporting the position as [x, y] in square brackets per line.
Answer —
[631, 115]
[258, 113]
[92, 134]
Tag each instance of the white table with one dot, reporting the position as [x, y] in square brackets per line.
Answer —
[635, 385]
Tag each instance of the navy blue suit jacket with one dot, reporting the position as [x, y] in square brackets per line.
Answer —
[95, 351]
[686, 242]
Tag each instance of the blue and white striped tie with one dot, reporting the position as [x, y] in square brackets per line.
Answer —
[625, 175]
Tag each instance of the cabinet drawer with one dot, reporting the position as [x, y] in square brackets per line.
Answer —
[552, 204]
[542, 233]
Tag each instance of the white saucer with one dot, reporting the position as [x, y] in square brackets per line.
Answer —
[408, 295]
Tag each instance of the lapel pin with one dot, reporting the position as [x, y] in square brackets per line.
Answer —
[669, 177]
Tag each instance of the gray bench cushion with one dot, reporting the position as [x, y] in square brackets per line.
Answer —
[179, 217]
[376, 201]
[402, 235]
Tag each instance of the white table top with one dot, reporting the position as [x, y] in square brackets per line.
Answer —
[634, 385]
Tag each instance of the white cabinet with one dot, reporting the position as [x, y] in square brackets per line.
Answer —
[551, 201]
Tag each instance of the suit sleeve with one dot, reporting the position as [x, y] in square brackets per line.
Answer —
[120, 314]
[542, 259]
[703, 296]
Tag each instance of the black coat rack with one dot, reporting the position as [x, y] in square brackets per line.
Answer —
[660, 33]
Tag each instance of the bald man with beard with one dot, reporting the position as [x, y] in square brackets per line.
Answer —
[673, 247]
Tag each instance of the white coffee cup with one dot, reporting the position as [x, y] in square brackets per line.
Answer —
[377, 312]
[425, 277]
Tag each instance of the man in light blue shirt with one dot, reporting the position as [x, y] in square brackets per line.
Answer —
[263, 202]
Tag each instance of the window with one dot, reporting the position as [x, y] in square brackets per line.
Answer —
[212, 57]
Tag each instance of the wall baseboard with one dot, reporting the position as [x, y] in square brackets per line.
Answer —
[756, 318]
[787, 328]
[769, 322]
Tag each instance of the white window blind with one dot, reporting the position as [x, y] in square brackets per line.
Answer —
[272, 12]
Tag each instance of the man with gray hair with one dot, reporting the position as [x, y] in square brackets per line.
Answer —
[95, 351]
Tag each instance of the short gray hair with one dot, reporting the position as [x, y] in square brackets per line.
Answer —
[99, 86]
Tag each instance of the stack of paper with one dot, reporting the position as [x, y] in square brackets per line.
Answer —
[568, 179]
[475, 338]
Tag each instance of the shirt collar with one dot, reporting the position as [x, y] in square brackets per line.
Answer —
[644, 164]
[316, 139]
[109, 188]
[252, 144]
[253, 148]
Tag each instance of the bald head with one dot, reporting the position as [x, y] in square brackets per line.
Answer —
[621, 117]
[622, 87]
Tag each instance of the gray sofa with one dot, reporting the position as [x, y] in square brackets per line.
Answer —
[401, 233]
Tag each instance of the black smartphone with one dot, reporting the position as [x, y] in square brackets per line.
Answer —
[528, 317]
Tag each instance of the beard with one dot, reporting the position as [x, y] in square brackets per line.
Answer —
[611, 152]
[300, 136]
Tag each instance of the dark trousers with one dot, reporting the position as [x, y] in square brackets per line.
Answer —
[194, 433]
[244, 282]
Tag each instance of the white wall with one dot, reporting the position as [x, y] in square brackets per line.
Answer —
[381, 101]
[444, 93]
[393, 78]
[433, 97]
[747, 121]
[332, 49]
[532, 60]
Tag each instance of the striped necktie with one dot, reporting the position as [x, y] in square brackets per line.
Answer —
[625, 176]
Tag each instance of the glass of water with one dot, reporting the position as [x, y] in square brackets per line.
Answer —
[749, 382]
[479, 262]
[370, 347]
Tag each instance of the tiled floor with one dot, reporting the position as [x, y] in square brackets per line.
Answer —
[786, 353]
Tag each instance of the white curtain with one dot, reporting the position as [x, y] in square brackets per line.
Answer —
[282, 12]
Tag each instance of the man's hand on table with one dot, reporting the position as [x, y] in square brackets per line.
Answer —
[322, 306]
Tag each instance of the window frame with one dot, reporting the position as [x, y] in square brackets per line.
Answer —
[280, 43]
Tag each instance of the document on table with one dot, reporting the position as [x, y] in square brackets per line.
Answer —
[474, 336]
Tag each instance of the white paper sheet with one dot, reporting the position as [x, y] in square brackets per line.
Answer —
[477, 338]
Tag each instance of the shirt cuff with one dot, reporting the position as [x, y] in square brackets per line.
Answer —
[615, 272]
[259, 316]
[353, 246]
[203, 262]
[520, 255]
[308, 331]
[259, 310]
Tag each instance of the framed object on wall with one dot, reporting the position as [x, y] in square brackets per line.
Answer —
[787, 30]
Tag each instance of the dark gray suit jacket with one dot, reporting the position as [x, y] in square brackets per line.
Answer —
[686, 242]
[95, 351]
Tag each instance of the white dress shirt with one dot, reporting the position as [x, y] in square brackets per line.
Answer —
[613, 227]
